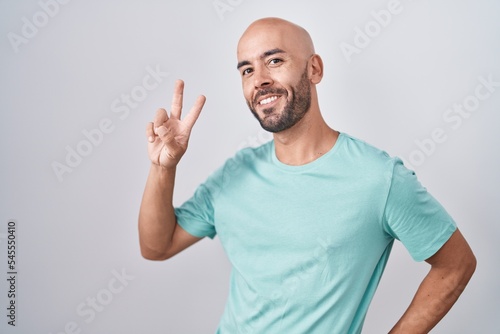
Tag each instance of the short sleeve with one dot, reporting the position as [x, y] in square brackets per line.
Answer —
[413, 216]
[196, 215]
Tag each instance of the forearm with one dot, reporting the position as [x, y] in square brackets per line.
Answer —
[156, 216]
[436, 295]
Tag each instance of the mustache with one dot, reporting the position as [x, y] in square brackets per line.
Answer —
[267, 91]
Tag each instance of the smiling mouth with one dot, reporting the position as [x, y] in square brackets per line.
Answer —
[268, 100]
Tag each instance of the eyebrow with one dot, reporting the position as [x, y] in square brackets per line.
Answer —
[262, 56]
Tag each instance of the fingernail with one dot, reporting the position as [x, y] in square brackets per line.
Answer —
[151, 139]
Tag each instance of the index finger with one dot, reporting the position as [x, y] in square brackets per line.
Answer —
[176, 107]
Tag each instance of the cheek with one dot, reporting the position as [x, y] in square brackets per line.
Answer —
[247, 91]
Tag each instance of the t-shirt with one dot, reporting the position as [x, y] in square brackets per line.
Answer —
[308, 244]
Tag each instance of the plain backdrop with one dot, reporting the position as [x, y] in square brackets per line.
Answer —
[68, 69]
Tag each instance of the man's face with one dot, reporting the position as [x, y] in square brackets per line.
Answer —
[274, 78]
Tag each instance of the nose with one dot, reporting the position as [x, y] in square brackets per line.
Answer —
[262, 78]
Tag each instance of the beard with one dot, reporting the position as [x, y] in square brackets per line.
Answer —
[295, 109]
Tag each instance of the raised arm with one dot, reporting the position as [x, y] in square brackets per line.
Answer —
[451, 269]
[160, 236]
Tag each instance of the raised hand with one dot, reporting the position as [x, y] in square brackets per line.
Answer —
[168, 136]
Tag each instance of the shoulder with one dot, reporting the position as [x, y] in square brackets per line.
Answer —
[360, 148]
[261, 151]
[241, 162]
[364, 156]
[250, 155]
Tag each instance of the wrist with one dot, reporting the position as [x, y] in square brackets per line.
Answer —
[163, 169]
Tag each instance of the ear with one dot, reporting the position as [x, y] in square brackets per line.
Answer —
[315, 69]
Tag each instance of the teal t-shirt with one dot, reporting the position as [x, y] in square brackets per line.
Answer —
[308, 244]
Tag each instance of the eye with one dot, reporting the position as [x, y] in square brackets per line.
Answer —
[275, 61]
[247, 71]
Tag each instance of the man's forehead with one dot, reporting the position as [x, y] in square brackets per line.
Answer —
[258, 46]
[256, 40]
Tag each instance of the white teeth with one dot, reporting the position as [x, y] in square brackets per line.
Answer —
[268, 100]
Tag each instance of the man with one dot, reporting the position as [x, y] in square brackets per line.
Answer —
[307, 220]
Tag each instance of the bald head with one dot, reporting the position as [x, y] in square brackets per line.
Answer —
[294, 38]
[279, 71]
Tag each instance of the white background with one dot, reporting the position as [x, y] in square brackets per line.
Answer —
[75, 230]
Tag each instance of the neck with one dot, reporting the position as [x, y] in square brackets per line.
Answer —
[306, 141]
